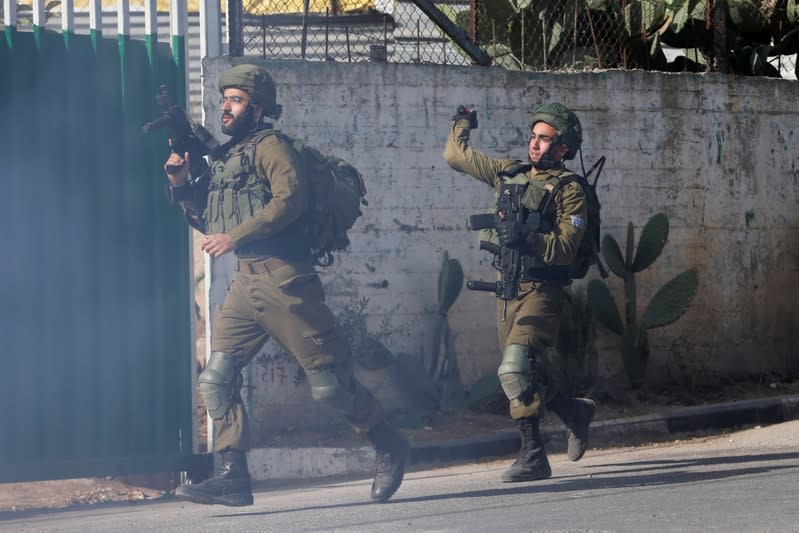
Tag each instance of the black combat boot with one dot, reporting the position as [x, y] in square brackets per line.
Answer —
[577, 414]
[230, 484]
[532, 463]
[392, 451]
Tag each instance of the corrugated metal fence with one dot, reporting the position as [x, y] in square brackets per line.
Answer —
[95, 304]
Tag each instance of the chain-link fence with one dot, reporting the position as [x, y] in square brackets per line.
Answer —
[396, 31]
[734, 36]
[548, 35]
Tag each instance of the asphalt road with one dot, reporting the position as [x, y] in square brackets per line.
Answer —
[741, 482]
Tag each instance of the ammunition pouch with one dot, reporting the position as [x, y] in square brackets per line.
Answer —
[236, 192]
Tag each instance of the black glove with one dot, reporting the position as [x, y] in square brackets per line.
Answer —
[515, 235]
[468, 114]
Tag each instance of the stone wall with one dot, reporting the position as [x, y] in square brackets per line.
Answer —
[716, 154]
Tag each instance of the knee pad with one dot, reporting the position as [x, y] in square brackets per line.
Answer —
[328, 389]
[219, 383]
[516, 374]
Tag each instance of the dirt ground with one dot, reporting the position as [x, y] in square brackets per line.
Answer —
[65, 493]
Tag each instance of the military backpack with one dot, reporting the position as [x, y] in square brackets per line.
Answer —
[337, 193]
[588, 251]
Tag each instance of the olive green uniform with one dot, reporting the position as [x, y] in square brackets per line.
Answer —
[258, 197]
[533, 317]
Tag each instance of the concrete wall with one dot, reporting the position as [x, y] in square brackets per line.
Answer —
[716, 154]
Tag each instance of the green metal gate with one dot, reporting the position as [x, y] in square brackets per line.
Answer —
[95, 303]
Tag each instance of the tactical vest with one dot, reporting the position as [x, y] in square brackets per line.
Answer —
[533, 199]
[236, 193]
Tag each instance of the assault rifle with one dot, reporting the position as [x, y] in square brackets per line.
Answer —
[510, 262]
[186, 137]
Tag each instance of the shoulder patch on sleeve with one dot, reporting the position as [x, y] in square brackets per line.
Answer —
[576, 221]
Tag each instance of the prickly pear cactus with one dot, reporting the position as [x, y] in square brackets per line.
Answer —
[666, 306]
[450, 283]
[443, 367]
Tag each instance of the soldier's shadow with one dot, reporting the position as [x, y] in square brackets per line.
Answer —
[663, 473]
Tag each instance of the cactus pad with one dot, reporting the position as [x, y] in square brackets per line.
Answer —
[603, 306]
[653, 239]
[671, 301]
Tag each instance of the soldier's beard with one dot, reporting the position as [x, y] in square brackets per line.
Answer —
[239, 126]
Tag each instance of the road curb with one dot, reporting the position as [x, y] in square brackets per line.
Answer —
[309, 463]
[620, 431]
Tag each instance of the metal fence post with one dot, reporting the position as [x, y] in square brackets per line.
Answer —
[304, 42]
[235, 31]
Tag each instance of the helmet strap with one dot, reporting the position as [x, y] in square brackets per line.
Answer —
[254, 120]
[546, 162]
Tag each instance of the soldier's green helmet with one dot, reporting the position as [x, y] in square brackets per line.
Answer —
[562, 119]
[253, 79]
